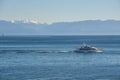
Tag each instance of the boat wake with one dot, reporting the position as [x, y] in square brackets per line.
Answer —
[35, 51]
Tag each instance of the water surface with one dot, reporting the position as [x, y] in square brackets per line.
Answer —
[51, 58]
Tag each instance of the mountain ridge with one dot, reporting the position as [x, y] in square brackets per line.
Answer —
[86, 27]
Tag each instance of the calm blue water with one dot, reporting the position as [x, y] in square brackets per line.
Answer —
[51, 58]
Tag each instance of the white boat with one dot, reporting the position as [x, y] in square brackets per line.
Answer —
[88, 49]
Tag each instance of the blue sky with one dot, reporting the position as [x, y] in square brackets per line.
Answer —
[49, 11]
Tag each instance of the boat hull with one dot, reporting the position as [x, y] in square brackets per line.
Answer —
[89, 51]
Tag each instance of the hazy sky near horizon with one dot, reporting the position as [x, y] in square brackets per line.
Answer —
[59, 10]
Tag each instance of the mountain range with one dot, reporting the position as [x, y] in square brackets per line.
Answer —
[87, 27]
